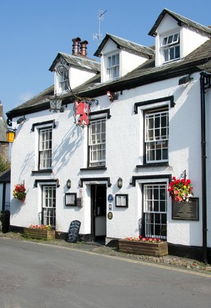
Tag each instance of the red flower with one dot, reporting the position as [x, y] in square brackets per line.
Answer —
[180, 189]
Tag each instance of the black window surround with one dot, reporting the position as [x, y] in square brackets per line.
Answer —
[105, 113]
[34, 172]
[94, 180]
[150, 177]
[150, 165]
[50, 122]
[154, 101]
[46, 181]
[93, 168]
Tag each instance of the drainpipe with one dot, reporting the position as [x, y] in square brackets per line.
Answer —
[203, 165]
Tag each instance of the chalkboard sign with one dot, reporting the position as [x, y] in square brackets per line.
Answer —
[73, 231]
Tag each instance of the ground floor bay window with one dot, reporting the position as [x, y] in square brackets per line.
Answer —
[49, 205]
[155, 210]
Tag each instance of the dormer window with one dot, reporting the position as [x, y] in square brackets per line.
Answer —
[113, 66]
[63, 78]
[170, 46]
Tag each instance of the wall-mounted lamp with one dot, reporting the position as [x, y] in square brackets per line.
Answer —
[112, 95]
[119, 182]
[68, 184]
[10, 134]
[185, 79]
[21, 120]
[56, 105]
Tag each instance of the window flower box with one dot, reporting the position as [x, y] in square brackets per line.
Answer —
[150, 247]
[40, 232]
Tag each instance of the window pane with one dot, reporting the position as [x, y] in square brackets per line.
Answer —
[177, 51]
[170, 39]
[166, 53]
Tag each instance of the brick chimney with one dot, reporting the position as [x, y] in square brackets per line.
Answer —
[83, 48]
[76, 46]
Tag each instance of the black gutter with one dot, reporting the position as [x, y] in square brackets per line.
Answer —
[203, 164]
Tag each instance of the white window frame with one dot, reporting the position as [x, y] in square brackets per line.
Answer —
[169, 47]
[155, 210]
[113, 66]
[62, 76]
[49, 204]
[154, 140]
[45, 147]
[97, 143]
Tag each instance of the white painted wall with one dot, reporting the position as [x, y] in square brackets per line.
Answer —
[79, 76]
[124, 151]
[191, 40]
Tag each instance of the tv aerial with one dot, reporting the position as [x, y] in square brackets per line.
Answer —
[100, 17]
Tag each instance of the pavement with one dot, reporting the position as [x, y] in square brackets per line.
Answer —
[96, 248]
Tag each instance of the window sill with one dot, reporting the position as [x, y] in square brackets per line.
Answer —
[150, 165]
[42, 171]
[93, 168]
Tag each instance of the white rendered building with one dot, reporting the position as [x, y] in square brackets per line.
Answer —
[149, 121]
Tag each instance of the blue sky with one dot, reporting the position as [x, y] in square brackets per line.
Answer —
[32, 32]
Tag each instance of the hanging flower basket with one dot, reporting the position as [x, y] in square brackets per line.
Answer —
[180, 189]
[19, 192]
[144, 246]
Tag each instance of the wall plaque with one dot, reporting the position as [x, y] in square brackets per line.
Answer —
[110, 215]
[186, 210]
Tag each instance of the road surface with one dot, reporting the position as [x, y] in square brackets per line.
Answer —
[43, 276]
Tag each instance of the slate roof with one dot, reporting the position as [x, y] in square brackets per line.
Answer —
[77, 61]
[148, 73]
[133, 47]
[199, 59]
[42, 99]
[181, 21]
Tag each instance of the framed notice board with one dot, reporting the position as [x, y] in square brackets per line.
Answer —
[186, 210]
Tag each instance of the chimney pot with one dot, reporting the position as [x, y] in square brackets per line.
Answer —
[83, 48]
[76, 46]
